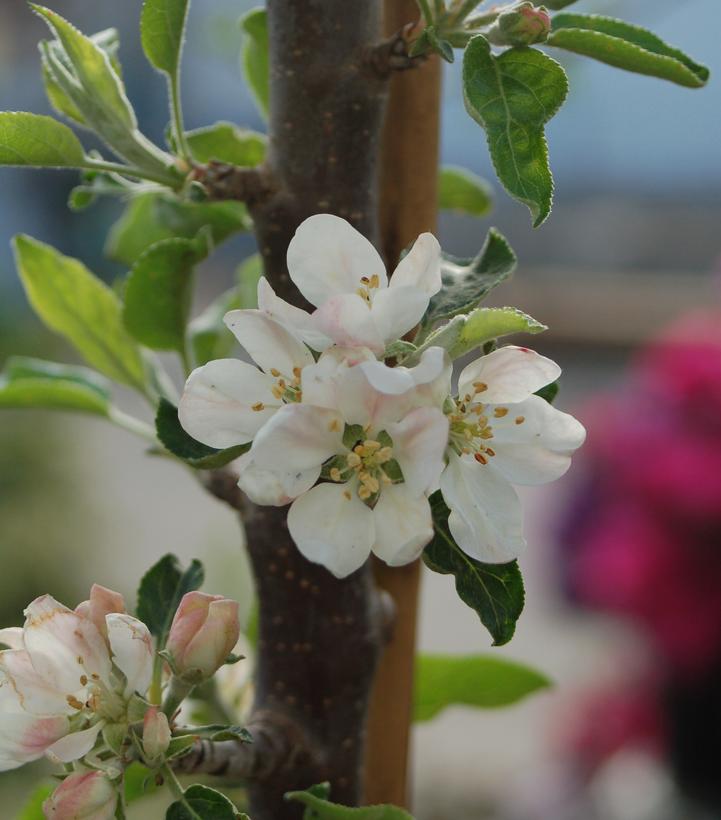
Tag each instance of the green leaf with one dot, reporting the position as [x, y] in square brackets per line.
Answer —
[204, 802]
[549, 392]
[494, 591]
[625, 46]
[139, 782]
[33, 809]
[466, 282]
[556, 5]
[208, 336]
[174, 438]
[319, 808]
[27, 383]
[485, 324]
[38, 141]
[218, 731]
[226, 142]
[254, 57]
[160, 591]
[512, 97]
[482, 681]
[464, 192]
[76, 304]
[179, 746]
[162, 29]
[150, 218]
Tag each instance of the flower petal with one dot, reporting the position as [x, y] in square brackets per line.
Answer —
[395, 311]
[12, 637]
[420, 268]
[419, 444]
[320, 382]
[267, 342]
[510, 374]
[403, 525]
[22, 688]
[24, 737]
[74, 745]
[333, 527]
[132, 649]
[486, 519]
[328, 256]
[297, 320]
[270, 488]
[347, 320]
[217, 403]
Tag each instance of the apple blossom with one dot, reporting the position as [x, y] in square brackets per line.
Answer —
[82, 796]
[102, 602]
[156, 734]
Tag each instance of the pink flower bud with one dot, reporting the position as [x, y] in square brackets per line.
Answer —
[156, 735]
[82, 796]
[203, 633]
[522, 25]
[102, 602]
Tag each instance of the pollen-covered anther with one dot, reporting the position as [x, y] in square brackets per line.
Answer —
[277, 392]
[74, 703]
[275, 373]
[500, 412]
[479, 387]
[336, 474]
[520, 419]
[353, 460]
[384, 455]
[258, 406]
[480, 458]
[364, 493]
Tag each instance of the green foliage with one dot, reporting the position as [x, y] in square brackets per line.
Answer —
[160, 591]
[625, 46]
[556, 5]
[481, 681]
[139, 782]
[76, 304]
[318, 807]
[204, 803]
[485, 324]
[38, 141]
[254, 57]
[174, 438]
[512, 97]
[33, 809]
[494, 591]
[549, 392]
[464, 192]
[162, 29]
[29, 383]
[218, 732]
[226, 142]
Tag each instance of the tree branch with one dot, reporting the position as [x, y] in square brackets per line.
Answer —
[223, 181]
[393, 53]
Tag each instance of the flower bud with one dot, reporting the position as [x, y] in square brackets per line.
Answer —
[203, 633]
[102, 602]
[156, 735]
[82, 796]
[522, 25]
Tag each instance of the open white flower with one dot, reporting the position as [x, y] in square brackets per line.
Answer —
[62, 680]
[340, 272]
[501, 434]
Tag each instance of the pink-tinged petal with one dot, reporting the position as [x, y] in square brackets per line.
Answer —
[226, 402]
[328, 257]
[509, 374]
[269, 488]
[209, 648]
[347, 319]
[102, 602]
[63, 646]
[267, 342]
[132, 649]
[395, 311]
[25, 737]
[21, 687]
[403, 525]
[295, 319]
[156, 734]
[82, 796]
[420, 268]
[419, 445]
[331, 526]
[534, 442]
[320, 381]
[12, 637]
[486, 519]
[74, 745]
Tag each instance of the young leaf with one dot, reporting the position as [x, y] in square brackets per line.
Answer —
[204, 803]
[162, 28]
[139, 782]
[33, 809]
[494, 591]
[462, 191]
[512, 97]
[38, 141]
[482, 681]
[160, 591]
[625, 46]
[226, 142]
[76, 304]
[485, 324]
[319, 808]
[255, 57]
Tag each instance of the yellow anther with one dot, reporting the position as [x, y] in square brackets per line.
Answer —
[282, 383]
[74, 702]
[258, 406]
[335, 474]
[364, 493]
[365, 280]
[346, 494]
[486, 434]
[480, 458]
[364, 476]
[275, 373]
[371, 445]
[296, 372]
[375, 281]
[500, 412]
[480, 387]
[384, 454]
[467, 397]
[371, 483]
[490, 451]
[277, 392]
[353, 460]
[520, 419]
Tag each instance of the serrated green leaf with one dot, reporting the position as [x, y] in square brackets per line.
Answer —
[160, 591]
[626, 46]
[204, 803]
[485, 324]
[226, 142]
[482, 681]
[494, 591]
[512, 97]
[464, 192]
[33, 809]
[76, 304]
[179, 443]
[254, 57]
[38, 141]
[162, 30]
[319, 808]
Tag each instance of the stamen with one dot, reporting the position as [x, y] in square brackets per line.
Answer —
[347, 494]
[258, 406]
[353, 460]
[335, 474]
[480, 458]
[74, 702]
[375, 281]
[500, 412]
[520, 419]
[275, 373]
[480, 387]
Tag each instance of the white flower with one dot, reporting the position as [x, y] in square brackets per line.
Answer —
[501, 434]
[61, 681]
[340, 272]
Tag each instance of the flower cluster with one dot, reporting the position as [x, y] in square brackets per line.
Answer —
[322, 404]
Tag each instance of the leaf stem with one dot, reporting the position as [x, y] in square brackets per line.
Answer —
[176, 108]
[426, 11]
[132, 425]
[173, 784]
[130, 171]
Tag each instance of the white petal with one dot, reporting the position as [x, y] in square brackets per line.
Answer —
[74, 745]
[395, 311]
[403, 525]
[21, 687]
[511, 374]
[421, 266]
[327, 257]
[132, 649]
[24, 737]
[12, 637]
[295, 319]
[267, 342]
[432, 376]
[270, 488]
[486, 518]
[348, 321]
[419, 444]
[299, 437]
[320, 381]
[333, 527]
[534, 442]
[217, 404]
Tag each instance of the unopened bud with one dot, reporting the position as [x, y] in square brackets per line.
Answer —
[156, 735]
[521, 25]
[102, 602]
[82, 796]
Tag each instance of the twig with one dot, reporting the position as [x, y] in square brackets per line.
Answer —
[223, 181]
[393, 54]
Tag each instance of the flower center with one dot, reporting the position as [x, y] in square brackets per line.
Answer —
[371, 463]
[97, 699]
[286, 390]
[367, 286]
